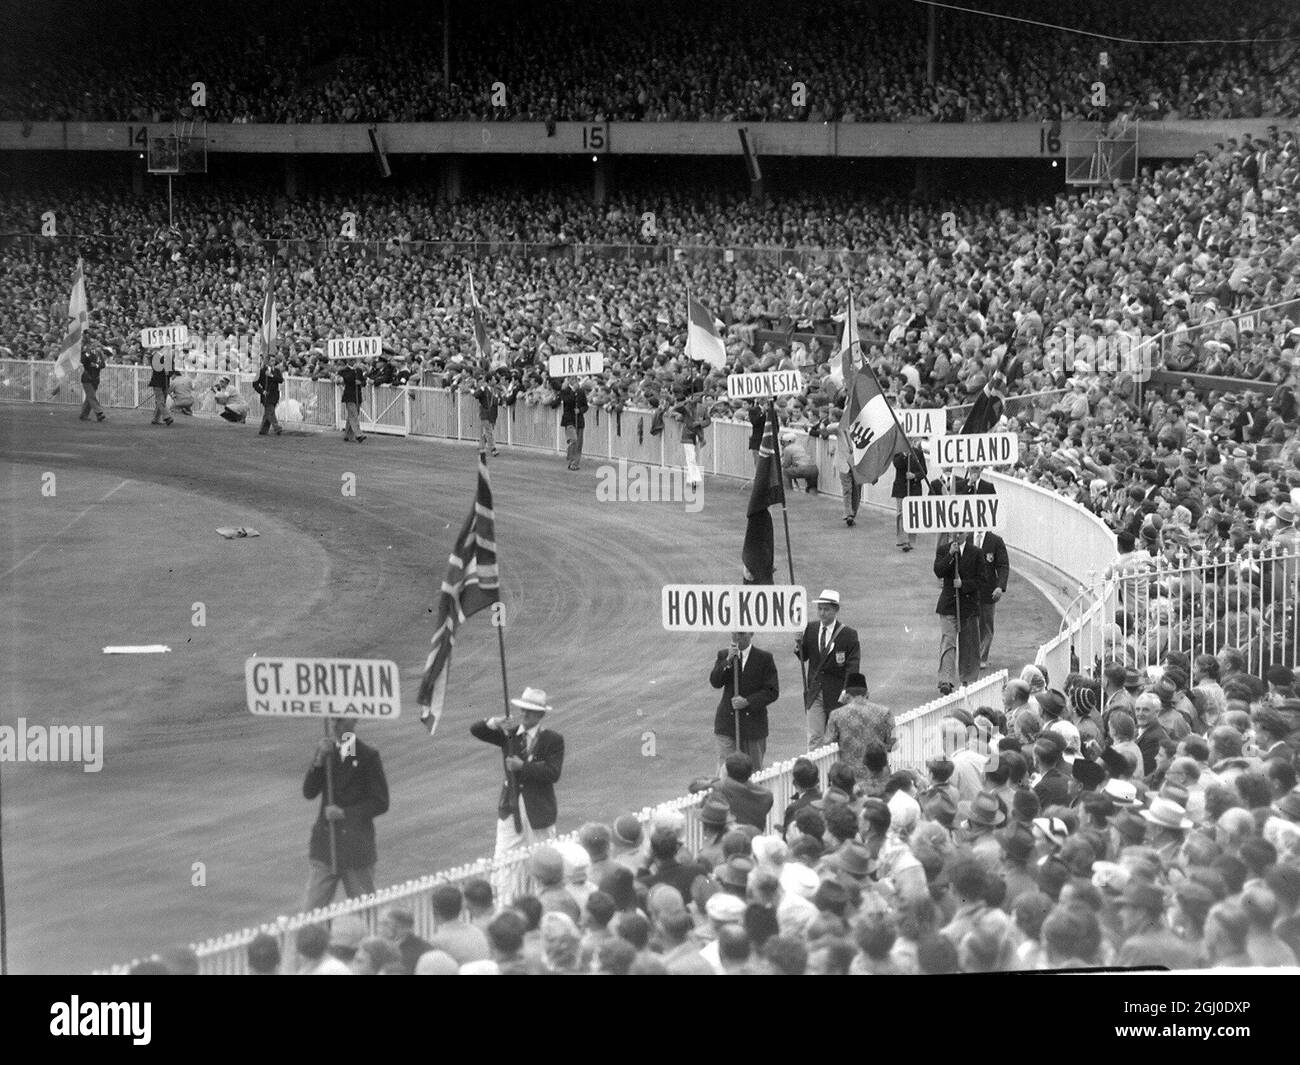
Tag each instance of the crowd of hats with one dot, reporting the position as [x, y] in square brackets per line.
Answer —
[666, 61]
[1035, 839]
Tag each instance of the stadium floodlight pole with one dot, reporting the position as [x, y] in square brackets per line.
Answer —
[785, 515]
[500, 623]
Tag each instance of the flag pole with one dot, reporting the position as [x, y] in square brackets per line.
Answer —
[735, 672]
[785, 515]
[329, 801]
[500, 624]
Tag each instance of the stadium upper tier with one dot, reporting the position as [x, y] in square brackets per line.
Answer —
[568, 60]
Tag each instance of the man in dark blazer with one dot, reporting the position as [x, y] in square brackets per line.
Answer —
[910, 473]
[533, 758]
[1150, 732]
[961, 568]
[743, 711]
[832, 652]
[992, 550]
[359, 795]
[973, 484]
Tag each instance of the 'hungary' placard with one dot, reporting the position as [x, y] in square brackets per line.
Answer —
[923, 424]
[764, 385]
[323, 687]
[974, 449]
[575, 364]
[164, 336]
[734, 607]
[341, 348]
[932, 514]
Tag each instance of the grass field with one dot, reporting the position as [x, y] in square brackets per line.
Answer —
[99, 866]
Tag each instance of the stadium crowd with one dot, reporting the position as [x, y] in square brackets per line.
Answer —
[677, 62]
[1133, 820]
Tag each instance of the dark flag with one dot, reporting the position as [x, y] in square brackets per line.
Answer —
[759, 553]
[471, 584]
[987, 411]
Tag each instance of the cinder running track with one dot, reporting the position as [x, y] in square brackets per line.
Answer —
[100, 867]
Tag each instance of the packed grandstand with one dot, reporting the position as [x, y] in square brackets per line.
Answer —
[1181, 847]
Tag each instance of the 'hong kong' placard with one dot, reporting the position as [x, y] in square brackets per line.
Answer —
[764, 385]
[974, 449]
[164, 336]
[734, 607]
[341, 348]
[934, 514]
[923, 423]
[323, 687]
[575, 364]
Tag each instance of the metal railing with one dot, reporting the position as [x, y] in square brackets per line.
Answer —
[1192, 340]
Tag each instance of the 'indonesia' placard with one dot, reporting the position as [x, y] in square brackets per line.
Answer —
[764, 385]
[323, 687]
[734, 607]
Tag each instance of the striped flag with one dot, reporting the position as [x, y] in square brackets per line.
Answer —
[841, 369]
[471, 584]
[69, 358]
[702, 341]
[869, 427]
[270, 330]
[482, 342]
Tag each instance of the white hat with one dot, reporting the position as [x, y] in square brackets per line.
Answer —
[1121, 792]
[532, 699]
[798, 879]
[829, 595]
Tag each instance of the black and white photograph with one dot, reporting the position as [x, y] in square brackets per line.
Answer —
[647, 487]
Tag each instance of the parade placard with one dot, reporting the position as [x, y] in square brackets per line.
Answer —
[974, 449]
[345, 348]
[323, 687]
[575, 364]
[164, 336]
[923, 424]
[934, 514]
[765, 385]
[734, 607]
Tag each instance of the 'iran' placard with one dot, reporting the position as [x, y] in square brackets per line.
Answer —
[323, 687]
[734, 607]
[575, 364]
[764, 385]
[933, 514]
[341, 348]
[164, 336]
[923, 424]
[974, 449]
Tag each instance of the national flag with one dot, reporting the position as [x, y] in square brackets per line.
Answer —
[270, 331]
[69, 357]
[703, 344]
[987, 410]
[471, 584]
[482, 342]
[870, 429]
[842, 370]
[759, 551]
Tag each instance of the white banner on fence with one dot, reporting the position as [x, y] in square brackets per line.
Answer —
[974, 449]
[923, 424]
[575, 364]
[931, 514]
[734, 607]
[164, 336]
[323, 687]
[763, 385]
[340, 348]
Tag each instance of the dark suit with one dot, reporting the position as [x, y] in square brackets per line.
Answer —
[361, 791]
[1148, 742]
[965, 488]
[758, 684]
[997, 571]
[410, 949]
[914, 463]
[749, 802]
[955, 666]
[827, 672]
[1053, 788]
[536, 780]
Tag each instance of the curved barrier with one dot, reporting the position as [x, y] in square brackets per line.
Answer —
[1040, 524]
